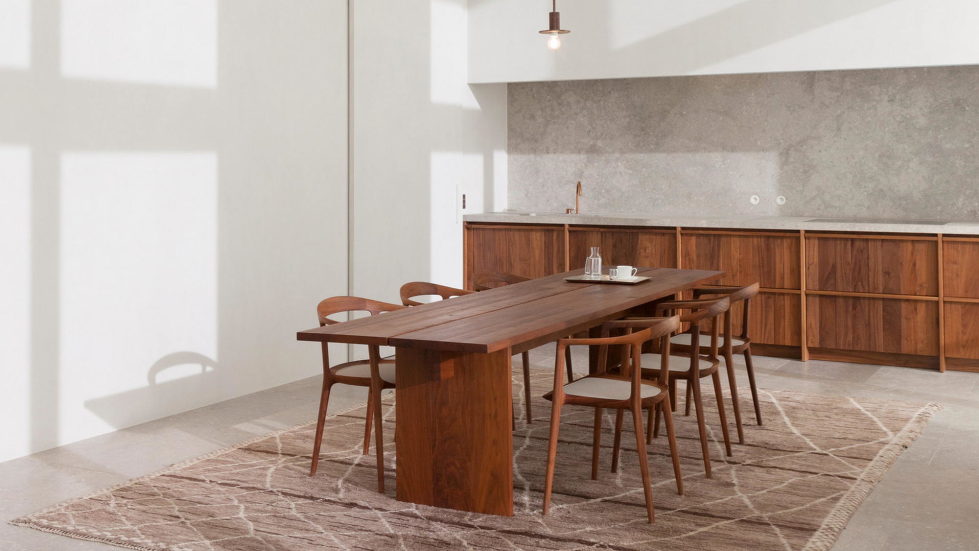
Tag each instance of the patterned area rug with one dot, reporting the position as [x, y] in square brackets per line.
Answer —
[794, 485]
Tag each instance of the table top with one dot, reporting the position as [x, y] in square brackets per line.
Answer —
[519, 316]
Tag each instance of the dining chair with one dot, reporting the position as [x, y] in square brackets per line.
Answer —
[691, 367]
[485, 281]
[374, 373]
[623, 390]
[415, 289]
[732, 343]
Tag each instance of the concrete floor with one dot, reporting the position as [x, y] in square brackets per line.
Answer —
[928, 500]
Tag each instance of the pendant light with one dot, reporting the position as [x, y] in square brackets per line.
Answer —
[554, 30]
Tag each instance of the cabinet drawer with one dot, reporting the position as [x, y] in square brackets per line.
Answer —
[528, 251]
[872, 325]
[775, 318]
[770, 259]
[865, 265]
[632, 247]
[961, 268]
[962, 330]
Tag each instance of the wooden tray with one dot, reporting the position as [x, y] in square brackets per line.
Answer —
[606, 279]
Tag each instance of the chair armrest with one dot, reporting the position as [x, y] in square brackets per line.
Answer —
[692, 304]
[634, 323]
[719, 290]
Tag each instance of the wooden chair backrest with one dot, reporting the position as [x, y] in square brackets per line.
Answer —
[701, 311]
[491, 280]
[424, 288]
[343, 304]
[735, 295]
[638, 332]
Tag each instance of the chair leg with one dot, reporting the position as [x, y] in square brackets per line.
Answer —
[671, 435]
[751, 381]
[701, 425]
[686, 406]
[567, 364]
[596, 442]
[647, 488]
[551, 454]
[672, 388]
[719, 395]
[650, 425]
[320, 422]
[526, 385]
[617, 444]
[657, 415]
[379, 439]
[732, 381]
[369, 421]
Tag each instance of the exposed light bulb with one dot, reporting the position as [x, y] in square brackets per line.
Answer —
[554, 30]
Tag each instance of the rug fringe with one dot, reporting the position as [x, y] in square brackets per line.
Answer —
[839, 517]
[74, 534]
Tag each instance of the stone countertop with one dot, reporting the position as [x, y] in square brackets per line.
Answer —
[855, 225]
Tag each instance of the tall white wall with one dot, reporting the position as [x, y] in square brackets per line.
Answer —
[421, 139]
[172, 205]
[647, 38]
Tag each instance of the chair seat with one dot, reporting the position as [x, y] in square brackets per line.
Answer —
[677, 363]
[607, 388]
[686, 339]
[363, 371]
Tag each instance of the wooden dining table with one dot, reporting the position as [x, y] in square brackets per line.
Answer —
[453, 383]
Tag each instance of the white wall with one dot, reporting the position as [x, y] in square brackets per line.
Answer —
[645, 38]
[172, 205]
[421, 138]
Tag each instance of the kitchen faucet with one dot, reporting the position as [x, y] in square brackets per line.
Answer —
[577, 201]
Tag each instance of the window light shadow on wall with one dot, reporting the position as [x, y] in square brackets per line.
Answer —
[15, 34]
[138, 277]
[634, 22]
[15, 295]
[448, 55]
[712, 36]
[164, 42]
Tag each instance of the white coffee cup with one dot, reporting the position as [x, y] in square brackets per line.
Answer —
[623, 272]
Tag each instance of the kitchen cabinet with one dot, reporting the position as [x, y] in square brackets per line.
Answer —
[873, 298]
[770, 258]
[962, 336]
[898, 265]
[890, 299]
[961, 267]
[525, 250]
[655, 248]
[960, 263]
[873, 330]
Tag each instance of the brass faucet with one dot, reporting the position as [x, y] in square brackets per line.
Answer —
[577, 201]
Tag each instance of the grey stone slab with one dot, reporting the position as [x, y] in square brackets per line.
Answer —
[880, 144]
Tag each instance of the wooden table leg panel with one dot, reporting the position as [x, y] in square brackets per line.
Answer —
[454, 445]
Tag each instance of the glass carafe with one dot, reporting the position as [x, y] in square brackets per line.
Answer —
[593, 264]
